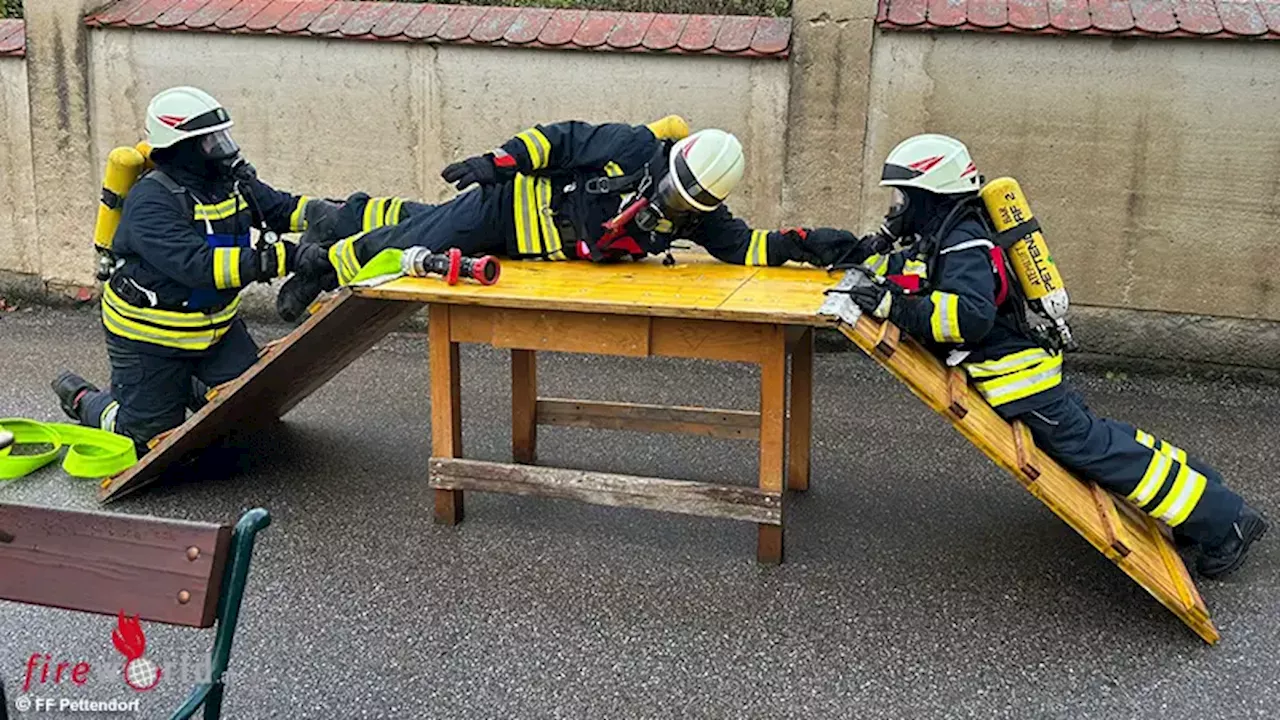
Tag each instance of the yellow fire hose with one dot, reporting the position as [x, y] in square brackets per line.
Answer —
[91, 453]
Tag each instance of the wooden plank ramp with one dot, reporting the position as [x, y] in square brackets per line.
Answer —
[1131, 539]
[287, 372]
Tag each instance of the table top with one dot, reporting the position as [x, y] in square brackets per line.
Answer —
[697, 286]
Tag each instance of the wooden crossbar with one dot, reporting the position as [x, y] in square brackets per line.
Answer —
[729, 424]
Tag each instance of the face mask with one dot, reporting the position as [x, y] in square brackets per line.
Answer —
[222, 154]
[666, 204]
[895, 221]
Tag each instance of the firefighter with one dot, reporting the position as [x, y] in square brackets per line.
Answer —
[182, 254]
[567, 191]
[950, 289]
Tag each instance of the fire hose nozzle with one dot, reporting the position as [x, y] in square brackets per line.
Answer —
[421, 262]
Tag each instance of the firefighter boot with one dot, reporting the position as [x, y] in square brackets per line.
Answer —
[1228, 555]
[313, 274]
[69, 388]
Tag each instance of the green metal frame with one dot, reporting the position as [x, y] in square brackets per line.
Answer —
[209, 695]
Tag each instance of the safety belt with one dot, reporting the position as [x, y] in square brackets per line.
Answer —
[91, 453]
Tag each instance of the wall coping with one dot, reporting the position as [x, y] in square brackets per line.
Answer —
[598, 30]
[1209, 19]
[13, 38]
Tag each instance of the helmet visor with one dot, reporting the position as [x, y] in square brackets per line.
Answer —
[897, 204]
[219, 145]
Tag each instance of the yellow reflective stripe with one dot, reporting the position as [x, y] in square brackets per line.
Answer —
[218, 211]
[117, 324]
[527, 240]
[757, 249]
[550, 233]
[168, 318]
[612, 169]
[107, 420]
[280, 258]
[945, 319]
[1182, 498]
[393, 212]
[1152, 479]
[878, 264]
[1174, 452]
[373, 214]
[915, 267]
[1006, 364]
[539, 147]
[298, 220]
[226, 268]
[342, 255]
[1024, 383]
[1146, 439]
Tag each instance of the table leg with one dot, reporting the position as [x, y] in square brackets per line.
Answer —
[800, 419]
[524, 406]
[773, 415]
[446, 406]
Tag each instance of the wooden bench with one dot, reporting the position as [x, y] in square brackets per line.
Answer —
[166, 571]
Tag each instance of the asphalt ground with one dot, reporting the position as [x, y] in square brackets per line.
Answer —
[921, 580]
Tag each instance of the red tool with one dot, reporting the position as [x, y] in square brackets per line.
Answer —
[452, 265]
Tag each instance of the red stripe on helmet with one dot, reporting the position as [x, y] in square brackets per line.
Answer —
[926, 164]
[969, 170]
[171, 120]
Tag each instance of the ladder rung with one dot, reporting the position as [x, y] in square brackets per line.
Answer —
[957, 392]
[1024, 444]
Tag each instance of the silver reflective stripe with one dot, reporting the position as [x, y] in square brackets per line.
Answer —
[107, 421]
[967, 244]
[1013, 362]
[226, 257]
[1020, 388]
[1152, 480]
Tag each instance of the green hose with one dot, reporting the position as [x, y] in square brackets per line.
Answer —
[91, 453]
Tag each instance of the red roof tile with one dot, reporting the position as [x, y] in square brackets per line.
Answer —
[241, 14]
[1029, 14]
[13, 38]
[595, 28]
[269, 18]
[1146, 18]
[735, 35]
[461, 22]
[362, 21]
[562, 26]
[302, 16]
[495, 23]
[472, 24]
[699, 33]
[664, 32]
[528, 25]
[1153, 16]
[179, 13]
[428, 22]
[396, 20]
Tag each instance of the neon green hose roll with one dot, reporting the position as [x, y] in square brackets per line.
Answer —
[91, 453]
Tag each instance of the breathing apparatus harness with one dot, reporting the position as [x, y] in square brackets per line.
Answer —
[638, 212]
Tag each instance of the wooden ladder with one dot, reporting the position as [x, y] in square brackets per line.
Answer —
[1133, 540]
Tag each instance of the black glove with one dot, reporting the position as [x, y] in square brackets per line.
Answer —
[822, 246]
[482, 169]
[276, 260]
[876, 300]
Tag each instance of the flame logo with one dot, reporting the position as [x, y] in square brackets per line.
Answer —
[139, 672]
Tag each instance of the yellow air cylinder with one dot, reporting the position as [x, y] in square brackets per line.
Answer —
[1032, 263]
[144, 149]
[124, 165]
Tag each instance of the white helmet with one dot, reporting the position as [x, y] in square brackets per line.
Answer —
[703, 169]
[180, 113]
[936, 163]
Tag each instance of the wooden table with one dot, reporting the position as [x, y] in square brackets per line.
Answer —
[701, 310]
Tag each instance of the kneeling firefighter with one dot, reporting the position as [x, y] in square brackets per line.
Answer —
[566, 191]
[963, 290]
[178, 260]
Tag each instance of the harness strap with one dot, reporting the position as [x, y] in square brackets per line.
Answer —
[91, 453]
[1007, 238]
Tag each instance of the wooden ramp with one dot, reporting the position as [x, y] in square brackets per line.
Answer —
[1133, 540]
[287, 373]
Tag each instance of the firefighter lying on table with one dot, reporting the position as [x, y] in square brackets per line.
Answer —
[181, 255]
[953, 289]
[548, 193]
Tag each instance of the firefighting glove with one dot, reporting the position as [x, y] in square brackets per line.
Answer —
[822, 247]
[876, 299]
[488, 169]
[276, 260]
[321, 218]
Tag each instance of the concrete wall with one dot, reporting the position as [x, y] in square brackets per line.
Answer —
[1151, 163]
[19, 252]
[331, 117]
